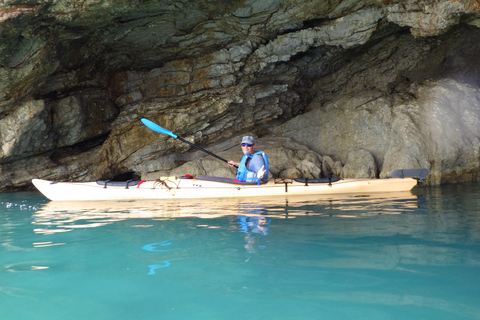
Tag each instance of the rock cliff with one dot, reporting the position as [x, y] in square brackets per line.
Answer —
[344, 87]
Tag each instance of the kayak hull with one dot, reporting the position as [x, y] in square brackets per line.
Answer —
[173, 188]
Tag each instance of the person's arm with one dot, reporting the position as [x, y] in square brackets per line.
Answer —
[257, 165]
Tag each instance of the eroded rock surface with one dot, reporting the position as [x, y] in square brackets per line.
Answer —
[348, 88]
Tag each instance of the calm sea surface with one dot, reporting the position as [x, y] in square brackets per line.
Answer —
[399, 256]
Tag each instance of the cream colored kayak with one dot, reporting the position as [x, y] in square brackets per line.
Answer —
[211, 187]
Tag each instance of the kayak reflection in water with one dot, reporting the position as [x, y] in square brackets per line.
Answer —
[254, 165]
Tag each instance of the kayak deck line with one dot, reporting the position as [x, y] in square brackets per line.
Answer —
[217, 187]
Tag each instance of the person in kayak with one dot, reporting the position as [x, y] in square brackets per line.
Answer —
[254, 165]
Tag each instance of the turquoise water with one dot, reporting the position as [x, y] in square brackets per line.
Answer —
[403, 256]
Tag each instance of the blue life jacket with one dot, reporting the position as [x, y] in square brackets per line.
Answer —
[245, 175]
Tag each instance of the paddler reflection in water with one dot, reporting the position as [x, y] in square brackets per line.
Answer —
[253, 166]
[253, 226]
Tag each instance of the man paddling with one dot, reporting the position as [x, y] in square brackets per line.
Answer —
[254, 165]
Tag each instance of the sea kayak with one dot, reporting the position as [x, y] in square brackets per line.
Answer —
[216, 187]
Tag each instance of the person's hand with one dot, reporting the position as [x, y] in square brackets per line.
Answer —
[261, 172]
[232, 163]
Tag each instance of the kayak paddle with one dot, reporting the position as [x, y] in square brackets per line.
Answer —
[157, 128]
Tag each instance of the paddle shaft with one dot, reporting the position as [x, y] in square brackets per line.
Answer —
[157, 128]
[200, 148]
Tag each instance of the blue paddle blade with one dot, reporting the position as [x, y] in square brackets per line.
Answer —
[157, 128]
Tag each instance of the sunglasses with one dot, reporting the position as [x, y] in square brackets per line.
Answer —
[246, 145]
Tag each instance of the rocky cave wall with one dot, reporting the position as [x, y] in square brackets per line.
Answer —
[347, 88]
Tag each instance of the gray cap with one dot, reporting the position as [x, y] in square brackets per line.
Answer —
[248, 139]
